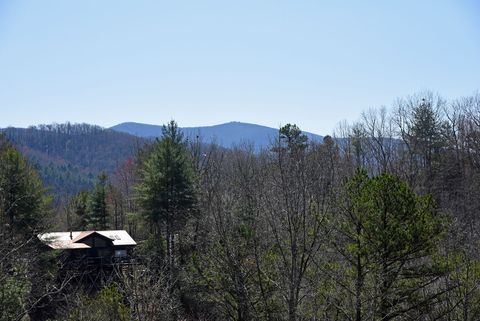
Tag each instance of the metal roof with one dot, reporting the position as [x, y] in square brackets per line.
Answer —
[63, 241]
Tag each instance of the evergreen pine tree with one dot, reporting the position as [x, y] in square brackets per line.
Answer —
[79, 207]
[166, 193]
[97, 205]
[23, 200]
[24, 212]
[393, 236]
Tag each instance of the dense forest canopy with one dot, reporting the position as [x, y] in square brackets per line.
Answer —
[69, 157]
[379, 222]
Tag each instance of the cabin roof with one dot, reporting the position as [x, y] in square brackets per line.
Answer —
[85, 234]
[63, 241]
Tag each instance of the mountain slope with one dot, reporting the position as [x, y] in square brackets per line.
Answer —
[226, 135]
[70, 157]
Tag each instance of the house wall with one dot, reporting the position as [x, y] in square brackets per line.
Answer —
[97, 242]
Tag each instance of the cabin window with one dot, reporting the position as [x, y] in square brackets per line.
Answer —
[120, 253]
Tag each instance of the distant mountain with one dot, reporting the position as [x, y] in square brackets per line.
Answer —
[226, 135]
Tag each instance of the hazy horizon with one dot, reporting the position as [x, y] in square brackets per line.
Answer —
[152, 124]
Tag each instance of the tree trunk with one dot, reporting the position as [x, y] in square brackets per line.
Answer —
[292, 307]
[169, 249]
[358, 289]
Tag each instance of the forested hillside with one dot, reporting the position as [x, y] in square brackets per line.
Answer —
[383, 226]
[69, 157]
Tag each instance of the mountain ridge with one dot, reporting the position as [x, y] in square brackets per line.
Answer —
[226, 134]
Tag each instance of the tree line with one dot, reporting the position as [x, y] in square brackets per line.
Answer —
[377, 222]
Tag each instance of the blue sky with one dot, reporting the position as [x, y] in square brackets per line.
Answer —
[313, 62]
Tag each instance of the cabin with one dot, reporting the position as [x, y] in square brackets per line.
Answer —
[80, 248]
